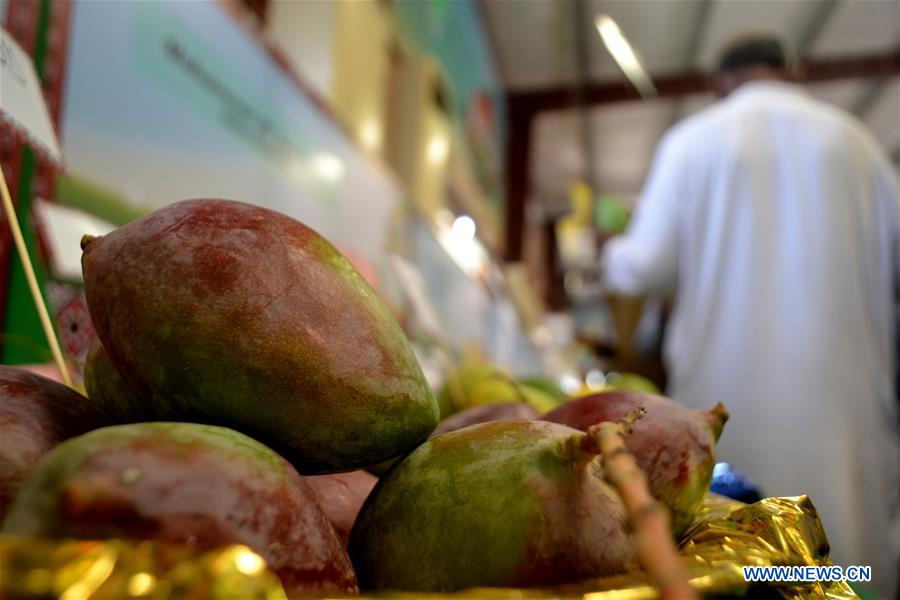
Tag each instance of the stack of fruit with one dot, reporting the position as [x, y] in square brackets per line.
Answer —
[245, 375]
[482, 384]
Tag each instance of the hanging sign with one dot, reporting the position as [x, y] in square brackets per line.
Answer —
[22, 105]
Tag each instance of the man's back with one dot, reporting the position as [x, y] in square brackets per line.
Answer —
[776, 219]
[786, 249]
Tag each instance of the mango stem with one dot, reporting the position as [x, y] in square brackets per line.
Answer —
[716, 417]
[649, 519]
[87, 239]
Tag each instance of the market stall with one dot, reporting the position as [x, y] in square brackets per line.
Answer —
[289, 313]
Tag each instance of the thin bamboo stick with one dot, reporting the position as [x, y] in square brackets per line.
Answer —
[649, 519]
[32, 281]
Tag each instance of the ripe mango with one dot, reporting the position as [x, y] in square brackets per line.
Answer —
[340, 496]
[502, 411]
[505, 503]
[630, 382]
[540, 400]
[184, 483]
[36, 414]
[106, 388]
[546, 385]
[226, 313]
[480, 384]
[505, 411]
[460, 384]
[674, 445]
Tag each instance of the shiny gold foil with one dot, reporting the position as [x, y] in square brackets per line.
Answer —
[775, 531]
[725, 536]
[32, 569]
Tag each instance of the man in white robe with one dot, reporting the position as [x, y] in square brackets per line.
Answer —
[774, 220]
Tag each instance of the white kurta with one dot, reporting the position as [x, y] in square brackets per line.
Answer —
[774, 218]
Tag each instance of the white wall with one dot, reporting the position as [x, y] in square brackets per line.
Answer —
[304, 31]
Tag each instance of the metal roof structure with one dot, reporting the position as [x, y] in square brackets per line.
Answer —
[584, 120]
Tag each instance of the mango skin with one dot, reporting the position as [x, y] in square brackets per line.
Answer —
[501, 411]
[340, 496]
[504, 411]
[504, 503]
[106, 388]
[184, 483]
[36, 414]
[226, 313]
[674, 445]
[472, 384]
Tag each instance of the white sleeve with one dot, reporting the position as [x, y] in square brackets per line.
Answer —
[645, 258]
[888, 189]
[887, 198]
[892, 194]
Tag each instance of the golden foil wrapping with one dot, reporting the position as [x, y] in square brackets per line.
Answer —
[32, 568]
[725, 536]
[771, 532]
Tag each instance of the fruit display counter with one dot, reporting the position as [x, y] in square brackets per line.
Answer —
[726, 534]
[248, 385]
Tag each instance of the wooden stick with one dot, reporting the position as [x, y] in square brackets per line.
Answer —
[32, 281]
[649, 519]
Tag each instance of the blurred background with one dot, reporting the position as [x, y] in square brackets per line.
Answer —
[469, 156]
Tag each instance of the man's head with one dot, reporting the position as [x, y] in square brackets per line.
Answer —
[750, 58]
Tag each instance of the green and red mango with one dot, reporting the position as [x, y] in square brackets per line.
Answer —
[674, 445]
[505, 503]
[227, 313]
[183, 483]
[106, 388]
[36, 414]
[341, 495]
[503, 411]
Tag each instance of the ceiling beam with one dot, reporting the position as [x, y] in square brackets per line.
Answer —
[518, 162]
[523, 107]
[869, 66]
[815, 27]
[617, 90]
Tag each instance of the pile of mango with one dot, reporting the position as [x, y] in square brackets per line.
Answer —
[245, 378]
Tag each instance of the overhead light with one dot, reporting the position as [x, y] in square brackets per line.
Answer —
[459, 241]
[370, 135]
[595, 379]
[624, 55]
[328, 166]
[569, 383]
[464, 227]
[438, 149]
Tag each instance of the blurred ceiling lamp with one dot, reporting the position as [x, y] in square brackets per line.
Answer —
[370, 135]
[438, 149]
[624, 55]
[328, 166]
[569, 382]
[595, 379]
[460, 242]
[464, 227]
